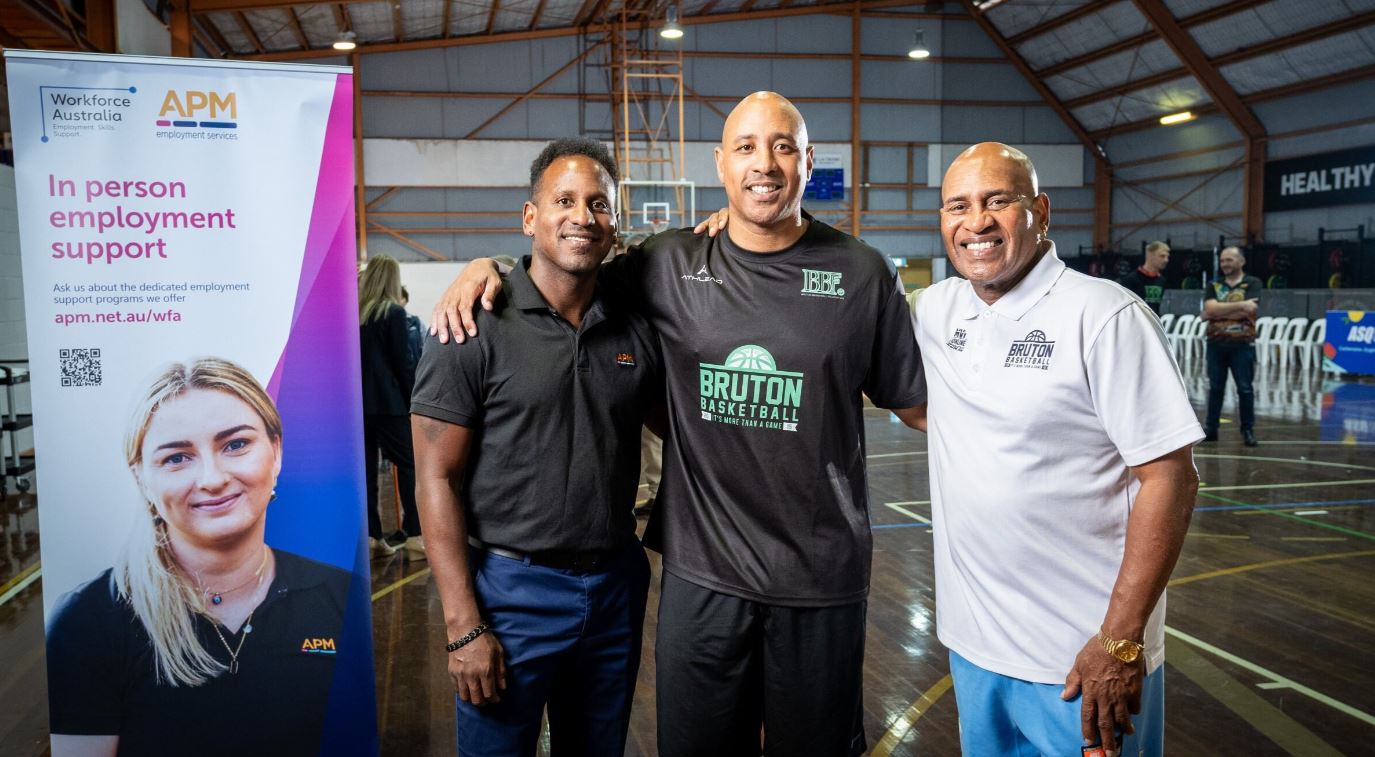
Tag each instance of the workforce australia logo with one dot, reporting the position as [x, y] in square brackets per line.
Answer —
[702, 275]
[821, 284]
[748, 390]
[1032, 352]
[957, 341]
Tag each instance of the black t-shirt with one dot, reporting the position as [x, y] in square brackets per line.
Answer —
[1241, 329]
[102, 681]
[556, 413]
[764, 492]
[1151, 289]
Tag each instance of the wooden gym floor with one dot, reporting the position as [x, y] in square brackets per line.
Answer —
[1271, 617]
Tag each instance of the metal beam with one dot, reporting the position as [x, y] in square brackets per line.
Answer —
[492, 15]
[247, 29]
[444, 19]
[1246, 53]
[297, 30]
[100, 25]
[1202, 17]
[1036, 83]
[179, 27]
[213, 32]
[1087, 9]
[360, 204]
[535, 17]
[551, 77]
[398, 26]
[571, 31]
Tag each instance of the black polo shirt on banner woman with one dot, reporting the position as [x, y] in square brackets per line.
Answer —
[556, 413]
[102, 681]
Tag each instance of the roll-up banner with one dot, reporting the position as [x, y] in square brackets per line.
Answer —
[187, 236]
[1343, 177]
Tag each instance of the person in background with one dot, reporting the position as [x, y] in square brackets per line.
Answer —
[415, 330]
[1229, 307]
[388, 378]
[1148, 280]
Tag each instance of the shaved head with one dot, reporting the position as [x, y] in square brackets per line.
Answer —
[764, 163]
[769, 102]
[997, 152]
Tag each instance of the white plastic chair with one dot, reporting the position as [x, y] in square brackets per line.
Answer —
[1317, 337]
[1166, 321]
[1291, 340]
[1175, 337]
[1267, 336]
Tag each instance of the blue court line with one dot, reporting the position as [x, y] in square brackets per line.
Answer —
[1209, 508]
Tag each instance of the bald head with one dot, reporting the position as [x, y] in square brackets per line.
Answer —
[764, 163]
[773, 107]
[996, 156]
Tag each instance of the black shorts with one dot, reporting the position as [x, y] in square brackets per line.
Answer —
[724, 665]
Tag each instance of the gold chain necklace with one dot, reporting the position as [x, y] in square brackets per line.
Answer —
[243, 634]
[216, 597]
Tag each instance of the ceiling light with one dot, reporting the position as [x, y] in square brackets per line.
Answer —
[1177, 118]
[919, 50]
[672, 29]
[346, 41]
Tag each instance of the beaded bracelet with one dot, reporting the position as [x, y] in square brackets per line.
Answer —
[467, 639]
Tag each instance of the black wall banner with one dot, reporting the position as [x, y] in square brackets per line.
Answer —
[1344, 177]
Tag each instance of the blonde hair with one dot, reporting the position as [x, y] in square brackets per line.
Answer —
[379, 287]
[147, 576]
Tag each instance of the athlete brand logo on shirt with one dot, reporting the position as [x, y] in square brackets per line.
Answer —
[956, 342]
[626, 359]
[748, 390]
[318, 646]
[1032, 352]
[702, 275]
[821, 284]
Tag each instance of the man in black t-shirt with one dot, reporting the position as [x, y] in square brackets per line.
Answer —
[1148, 280]
[1229, 307]
[772, 333]
[527, 456]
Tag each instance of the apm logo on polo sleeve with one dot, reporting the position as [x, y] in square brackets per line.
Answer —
[1032, 352]
[748, 390]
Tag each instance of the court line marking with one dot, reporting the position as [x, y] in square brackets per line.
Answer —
[1274, 677]
[1301, 510]
[1199, 535]
[1290, 516]
[1294, 485]
[899, 507]
[393, 587]
[1267, 719]
[12, 587]
[1267, 564]
[894, 454]
[1331, 444]
[1295, 460]
[1312, 538]
[903, 725]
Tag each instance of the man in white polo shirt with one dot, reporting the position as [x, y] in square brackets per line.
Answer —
[1062, 478]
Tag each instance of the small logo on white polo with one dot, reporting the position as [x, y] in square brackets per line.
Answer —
[957, 341]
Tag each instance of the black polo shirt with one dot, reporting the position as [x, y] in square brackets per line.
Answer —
[102, 680]
[556, 413]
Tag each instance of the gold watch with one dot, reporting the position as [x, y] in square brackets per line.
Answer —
[1123, 649]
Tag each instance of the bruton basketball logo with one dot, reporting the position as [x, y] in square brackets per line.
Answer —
[821, 284]
[748, 390]
[1032, 352]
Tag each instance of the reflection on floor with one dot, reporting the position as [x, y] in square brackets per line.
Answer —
[1270, 610]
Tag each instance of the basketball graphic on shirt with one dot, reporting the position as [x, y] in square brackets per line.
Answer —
[751, 357]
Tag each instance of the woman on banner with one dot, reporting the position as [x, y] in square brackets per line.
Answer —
[388, 378]
[201, 639]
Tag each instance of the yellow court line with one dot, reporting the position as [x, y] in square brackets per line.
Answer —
[389, 589]
[12, 587]
[903, 725]
[23, 574]
[1268, 564]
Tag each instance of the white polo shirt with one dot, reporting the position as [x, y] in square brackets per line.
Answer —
[1038, 405]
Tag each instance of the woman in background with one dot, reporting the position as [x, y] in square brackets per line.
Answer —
[388, 378]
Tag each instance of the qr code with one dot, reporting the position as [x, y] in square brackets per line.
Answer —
[80, 367]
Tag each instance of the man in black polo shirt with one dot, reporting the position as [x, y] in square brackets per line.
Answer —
[772, 332]
[527, 444]
[1148, 280]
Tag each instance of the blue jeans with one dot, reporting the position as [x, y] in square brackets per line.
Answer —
[572, 642]
[1240, 359]
[1010, 717]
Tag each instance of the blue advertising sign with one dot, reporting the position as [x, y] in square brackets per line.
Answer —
[1350, 346]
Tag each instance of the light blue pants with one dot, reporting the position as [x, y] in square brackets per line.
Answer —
[1008, 716]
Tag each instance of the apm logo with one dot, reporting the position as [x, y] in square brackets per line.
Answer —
[821, 283]
[749, 390]
[318, 646]
[196, 109]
